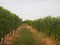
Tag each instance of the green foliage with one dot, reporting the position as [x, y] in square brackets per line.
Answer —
[8, 21]
[49, 25]
[29, 22]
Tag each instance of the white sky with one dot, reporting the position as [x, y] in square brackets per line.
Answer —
[32, 9]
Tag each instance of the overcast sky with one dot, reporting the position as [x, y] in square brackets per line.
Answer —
[32, 9]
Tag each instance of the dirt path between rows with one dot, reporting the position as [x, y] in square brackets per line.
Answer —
[40, 36]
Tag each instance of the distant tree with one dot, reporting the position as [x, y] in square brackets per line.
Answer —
[29, 22]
